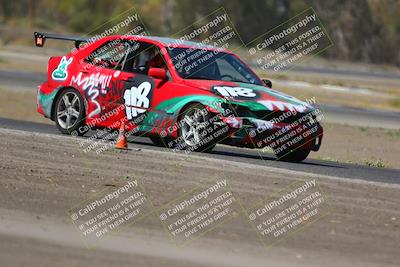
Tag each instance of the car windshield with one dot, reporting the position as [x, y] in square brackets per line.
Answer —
[204, 64]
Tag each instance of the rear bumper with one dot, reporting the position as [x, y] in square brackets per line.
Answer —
[39, 107]
[254, 133]
[45, 98]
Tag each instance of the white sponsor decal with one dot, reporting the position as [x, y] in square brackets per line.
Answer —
[228, 91]
[264, 125]
[92, 84]
[282, 106]
[116, 74]
[136, 100]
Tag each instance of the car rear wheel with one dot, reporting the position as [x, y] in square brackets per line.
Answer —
[297, 155]
[69, 112]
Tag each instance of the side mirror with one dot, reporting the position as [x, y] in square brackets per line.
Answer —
[158, 73]
[268, 83]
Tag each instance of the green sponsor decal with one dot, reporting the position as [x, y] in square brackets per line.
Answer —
[281, 96]
[174, 105]
[61, 73]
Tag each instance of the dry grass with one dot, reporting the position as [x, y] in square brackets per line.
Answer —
[20, 105]
[384, 93]
[356, 100]
[362, 145]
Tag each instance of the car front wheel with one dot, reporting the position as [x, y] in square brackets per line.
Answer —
[194, 130]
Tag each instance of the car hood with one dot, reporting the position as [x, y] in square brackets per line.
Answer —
[255, 97]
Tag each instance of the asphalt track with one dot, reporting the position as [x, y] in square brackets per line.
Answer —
[340, 170]
[10, 79]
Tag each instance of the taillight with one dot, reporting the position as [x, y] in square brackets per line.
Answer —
[48, 64]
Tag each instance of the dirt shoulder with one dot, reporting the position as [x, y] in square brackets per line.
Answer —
[43, 176]
[361, 145]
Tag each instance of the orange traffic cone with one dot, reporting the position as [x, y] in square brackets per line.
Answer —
[122, 143]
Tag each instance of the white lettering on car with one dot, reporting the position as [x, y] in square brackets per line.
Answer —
[92, 84]
[228, 91]
[282, 106]
[136, 100]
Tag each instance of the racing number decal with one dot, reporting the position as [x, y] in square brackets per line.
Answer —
[137, 98]
[235, 92]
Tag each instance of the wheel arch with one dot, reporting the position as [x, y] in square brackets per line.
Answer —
[185, 106]
[60, 90]
[182, 103]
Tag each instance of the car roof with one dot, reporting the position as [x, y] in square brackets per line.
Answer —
[174, 42]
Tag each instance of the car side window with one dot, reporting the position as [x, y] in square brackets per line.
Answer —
[145, 57]
[112, 54]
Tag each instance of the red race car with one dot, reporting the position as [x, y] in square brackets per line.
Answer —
[180, 94]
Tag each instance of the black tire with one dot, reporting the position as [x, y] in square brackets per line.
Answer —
[297, 155]
[69, 113]
[203, 140]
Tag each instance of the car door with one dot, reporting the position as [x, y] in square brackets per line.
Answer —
[142, 94]
[99, 78]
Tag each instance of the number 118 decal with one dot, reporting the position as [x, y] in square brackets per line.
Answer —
[137, 98]
[235, 92]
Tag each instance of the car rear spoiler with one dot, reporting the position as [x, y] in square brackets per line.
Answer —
[41, 37]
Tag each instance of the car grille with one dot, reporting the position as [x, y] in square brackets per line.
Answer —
[279, 116]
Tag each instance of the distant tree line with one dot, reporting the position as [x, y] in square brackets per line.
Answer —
[362, 30]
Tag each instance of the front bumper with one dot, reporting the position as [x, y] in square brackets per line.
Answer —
[255, 133]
